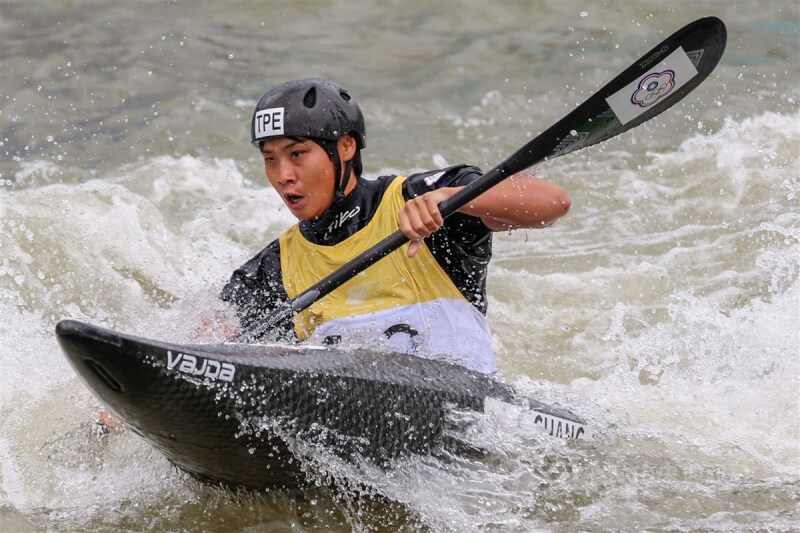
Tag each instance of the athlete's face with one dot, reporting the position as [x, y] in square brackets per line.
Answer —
[302, 173]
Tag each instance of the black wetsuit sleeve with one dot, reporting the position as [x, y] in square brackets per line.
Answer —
[454, 176]
[256, 290]
[463, 246]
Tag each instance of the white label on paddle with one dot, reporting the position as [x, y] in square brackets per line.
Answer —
[268, 122]
[663, 79]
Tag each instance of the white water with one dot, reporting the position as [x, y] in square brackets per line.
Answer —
[665, 308]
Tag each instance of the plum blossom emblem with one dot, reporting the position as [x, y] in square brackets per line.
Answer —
[653, 88]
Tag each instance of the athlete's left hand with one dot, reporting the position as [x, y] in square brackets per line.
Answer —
[420, 217]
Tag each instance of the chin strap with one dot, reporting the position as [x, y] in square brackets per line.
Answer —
[342, 177]
[341, 184]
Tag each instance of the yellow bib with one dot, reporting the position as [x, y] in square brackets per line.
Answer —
[392, 282]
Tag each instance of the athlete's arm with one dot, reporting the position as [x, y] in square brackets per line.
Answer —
[520, 201]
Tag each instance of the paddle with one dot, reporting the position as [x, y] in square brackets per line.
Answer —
[651, 85]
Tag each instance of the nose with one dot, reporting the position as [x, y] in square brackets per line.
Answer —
[282, 172]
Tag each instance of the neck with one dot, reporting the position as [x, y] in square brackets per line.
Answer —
[338, 214]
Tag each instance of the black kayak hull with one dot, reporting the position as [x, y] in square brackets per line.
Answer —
[232, 413]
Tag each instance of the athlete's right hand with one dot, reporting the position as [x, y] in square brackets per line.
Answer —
[420, 217]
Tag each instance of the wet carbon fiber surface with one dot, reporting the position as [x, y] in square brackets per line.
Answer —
[231, 413]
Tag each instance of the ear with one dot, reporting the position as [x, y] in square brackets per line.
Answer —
[347, 147]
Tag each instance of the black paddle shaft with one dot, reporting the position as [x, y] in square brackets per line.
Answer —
[594, 121]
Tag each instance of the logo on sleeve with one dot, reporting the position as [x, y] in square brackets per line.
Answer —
[268, 122]
[431, 180]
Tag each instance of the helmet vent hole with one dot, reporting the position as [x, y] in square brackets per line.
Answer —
[344, 95]
[310, 99]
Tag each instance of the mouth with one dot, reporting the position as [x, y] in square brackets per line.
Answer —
[293, 201]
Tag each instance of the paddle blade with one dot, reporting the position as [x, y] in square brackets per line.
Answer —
[653, 84]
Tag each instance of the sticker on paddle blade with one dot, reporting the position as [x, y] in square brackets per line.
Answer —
[656, 84]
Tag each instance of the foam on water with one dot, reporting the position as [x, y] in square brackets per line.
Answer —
[663, 309]
[123, 251]
[682, 314]
[694, 382]
[701, 407]
[62, 465]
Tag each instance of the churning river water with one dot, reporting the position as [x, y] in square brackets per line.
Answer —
[663, 308]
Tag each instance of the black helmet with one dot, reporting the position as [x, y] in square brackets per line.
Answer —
[313, 107]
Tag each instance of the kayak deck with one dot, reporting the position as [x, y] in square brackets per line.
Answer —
[231, 413]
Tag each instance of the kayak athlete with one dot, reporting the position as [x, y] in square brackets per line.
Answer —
[428, 298]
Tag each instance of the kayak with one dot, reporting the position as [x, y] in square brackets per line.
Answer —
[234, 414]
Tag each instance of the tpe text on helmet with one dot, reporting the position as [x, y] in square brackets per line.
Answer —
[268, 122]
